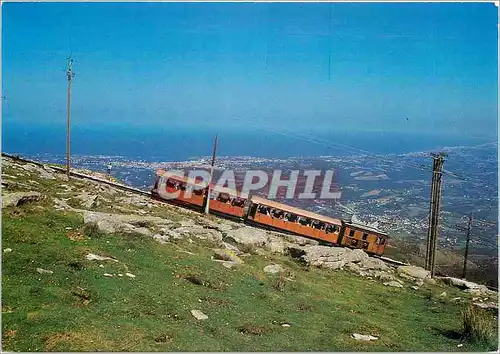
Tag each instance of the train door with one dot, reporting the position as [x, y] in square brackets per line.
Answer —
[253, 210]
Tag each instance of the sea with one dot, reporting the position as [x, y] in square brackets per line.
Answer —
[175, 144]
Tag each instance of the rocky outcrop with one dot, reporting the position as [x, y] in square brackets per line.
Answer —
[18, 198]
[273, 269]
[470, 287]
[414, 272]
[248, 236]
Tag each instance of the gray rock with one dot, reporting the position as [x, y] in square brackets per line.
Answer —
[199, 315]
[232, 248]
[394, 284]
[276, 245]
[44, 271]
[353, 267]
[249, 236]
[486, 305]
[385, 277]
[273, 269]
[143, 231]
[365, 337]
[414, 287]
[18, 198]
[7, 250]
[373, 263]
[355, 256]
[331, 257]
[466, 285]
[161, 238]
[413, 271]
[96, 257]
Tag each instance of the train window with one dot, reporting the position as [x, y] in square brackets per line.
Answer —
[365, 236]
[319, 225]
[377, 242]
[238, 202]
[292, 217]
[277, 214]
[351, 233]
[305, 221]
[263, 210]
[382, 242]
[336, 228]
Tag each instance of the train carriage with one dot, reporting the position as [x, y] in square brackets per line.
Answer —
[228, 202]
[267, 213]
[181, 190]
[355, 235]
[286, 218]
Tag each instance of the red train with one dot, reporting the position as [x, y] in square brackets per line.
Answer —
[266, 213]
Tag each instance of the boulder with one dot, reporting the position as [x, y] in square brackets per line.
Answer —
[276, 245]
[413, 271]
[273, 269]
[199, 315]
[44, 271]
[355, 256]
[248, 236]
[466, 285]
[373, 263]
[394, 284]
[365, 337]
[96, 257]
[18, 198]
[385, 277]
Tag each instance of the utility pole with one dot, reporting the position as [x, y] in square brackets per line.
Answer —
[466, 254]
[207, 198]
[432, 233]
[70, 74]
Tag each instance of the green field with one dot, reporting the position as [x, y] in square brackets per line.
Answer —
[78, 309]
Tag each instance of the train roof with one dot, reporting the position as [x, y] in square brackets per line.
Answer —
[297, 211]
[366, 227]
[213, 186]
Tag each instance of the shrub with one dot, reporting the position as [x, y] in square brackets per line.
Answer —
[91, 230]
[478, 326]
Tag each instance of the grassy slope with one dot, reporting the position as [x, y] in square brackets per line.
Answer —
[151, 312]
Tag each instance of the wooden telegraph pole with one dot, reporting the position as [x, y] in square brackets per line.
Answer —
[70, 74]
[432, 233]
[207, 198]
[466, 254]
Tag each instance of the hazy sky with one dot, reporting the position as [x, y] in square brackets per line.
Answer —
[341, 66]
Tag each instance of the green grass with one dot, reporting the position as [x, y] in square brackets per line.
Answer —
[52, 312]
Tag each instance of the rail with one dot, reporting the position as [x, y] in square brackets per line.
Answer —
[80, 175]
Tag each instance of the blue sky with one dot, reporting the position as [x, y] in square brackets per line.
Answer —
[314, 67]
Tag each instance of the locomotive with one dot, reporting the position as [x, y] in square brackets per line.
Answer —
[257, 211]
